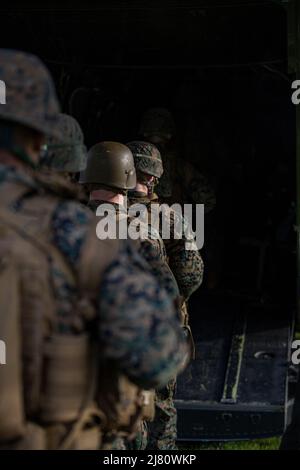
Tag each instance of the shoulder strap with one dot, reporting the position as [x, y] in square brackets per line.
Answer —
[14, 222]
[31, 228]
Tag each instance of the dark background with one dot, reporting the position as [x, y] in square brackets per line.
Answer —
[221, 68]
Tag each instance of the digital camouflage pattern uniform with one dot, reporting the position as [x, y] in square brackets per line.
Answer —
[110, 166]
[181, 182]
[187, 267]
[150, 248]
[126, 302]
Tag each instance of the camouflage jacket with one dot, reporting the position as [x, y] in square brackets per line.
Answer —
[129, 302]
[181, 182]
[186, 265]
[152, 249]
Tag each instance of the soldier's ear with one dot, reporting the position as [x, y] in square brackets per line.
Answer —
[35, 145]
[30, 140]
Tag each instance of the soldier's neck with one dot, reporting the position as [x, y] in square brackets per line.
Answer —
[141, 188]
[108, 196]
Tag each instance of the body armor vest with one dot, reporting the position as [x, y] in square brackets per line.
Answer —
[48, 391]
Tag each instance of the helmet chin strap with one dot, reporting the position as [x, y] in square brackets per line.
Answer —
[148, 183]
[151, 185]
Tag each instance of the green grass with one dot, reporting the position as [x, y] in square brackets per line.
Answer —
[258, 444]
[297, 335]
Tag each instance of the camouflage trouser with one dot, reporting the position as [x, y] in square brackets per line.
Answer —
[140, 440]
[162, 432]
[113, 443]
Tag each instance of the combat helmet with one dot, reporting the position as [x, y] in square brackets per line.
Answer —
[158, 122]
[147, 158]
[30, 97]
[110, 165]
[68, 154]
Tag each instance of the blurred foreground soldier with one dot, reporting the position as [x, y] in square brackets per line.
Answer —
[181, 182]
[63, 158]
[110, 173]
[68, 300]
[187, 267]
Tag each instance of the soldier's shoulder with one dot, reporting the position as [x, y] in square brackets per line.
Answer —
[72, 212]
[71, 225]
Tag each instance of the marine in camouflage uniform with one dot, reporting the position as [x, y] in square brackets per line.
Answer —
[187, 267]
[181, 182]
[83, 302]
[109, 174]
[110, 167]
